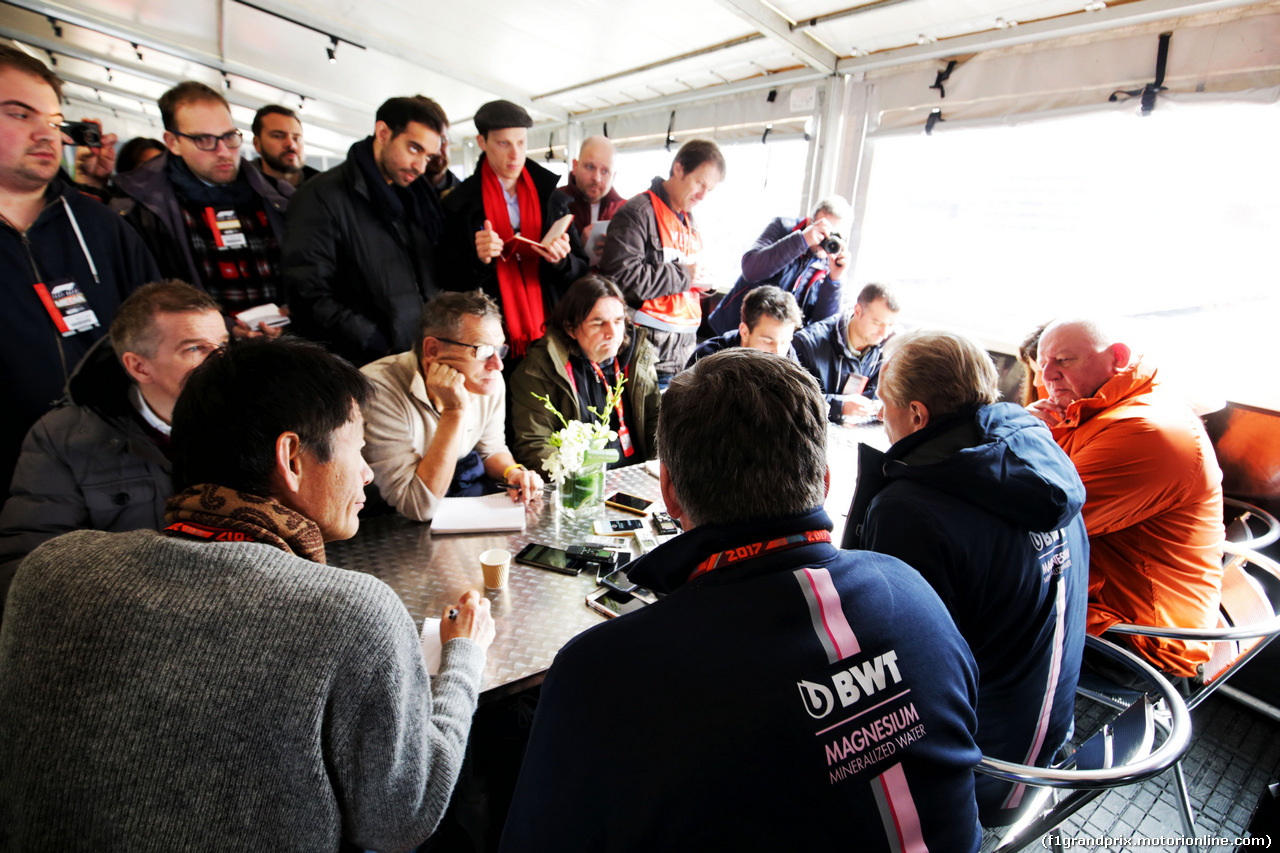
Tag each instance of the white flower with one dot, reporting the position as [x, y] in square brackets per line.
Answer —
[577, 437]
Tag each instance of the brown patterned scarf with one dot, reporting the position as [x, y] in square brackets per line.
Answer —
[217, 513]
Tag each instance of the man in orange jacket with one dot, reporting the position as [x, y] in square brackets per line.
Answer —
[1154, 490]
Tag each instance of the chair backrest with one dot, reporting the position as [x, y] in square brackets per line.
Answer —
[1244, 603]
[1123, 741]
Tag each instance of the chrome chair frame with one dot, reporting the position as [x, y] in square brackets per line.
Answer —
[1137, 723]
[1252, 511]
[1240, 592]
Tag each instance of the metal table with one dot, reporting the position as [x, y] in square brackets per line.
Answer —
[539, 610]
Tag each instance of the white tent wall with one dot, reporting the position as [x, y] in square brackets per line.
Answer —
[1222, 52]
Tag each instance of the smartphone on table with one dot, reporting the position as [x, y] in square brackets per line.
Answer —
[546, 557]
[617, 526]
[612, 603]
[628, 503]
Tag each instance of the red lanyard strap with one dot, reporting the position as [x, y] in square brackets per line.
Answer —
[759, 549]
[624, 435]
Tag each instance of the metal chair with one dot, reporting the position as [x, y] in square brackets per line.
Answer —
[1119, 754]
[1250, 524]
[1247, 622]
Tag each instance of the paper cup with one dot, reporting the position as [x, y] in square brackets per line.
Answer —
[495, 562]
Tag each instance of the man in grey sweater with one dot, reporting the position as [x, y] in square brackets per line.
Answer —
[215, 686]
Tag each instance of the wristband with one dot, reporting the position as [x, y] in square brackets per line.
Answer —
[511, 468]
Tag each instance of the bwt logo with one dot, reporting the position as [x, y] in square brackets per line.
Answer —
[850, 685]
[1040, 541]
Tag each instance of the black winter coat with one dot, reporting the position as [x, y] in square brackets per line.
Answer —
[354, 281]
[460, 269]
[35, 360]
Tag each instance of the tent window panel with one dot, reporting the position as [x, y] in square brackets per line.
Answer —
[1168, 221]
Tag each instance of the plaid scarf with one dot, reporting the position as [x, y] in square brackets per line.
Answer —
[219, 514]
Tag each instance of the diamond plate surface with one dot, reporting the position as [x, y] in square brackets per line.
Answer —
[539, 610]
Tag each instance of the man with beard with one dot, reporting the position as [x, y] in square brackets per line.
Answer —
[495, 222]
[277, 137]
[66, 262]
[360, 247]
[439, 175]
[207, 221]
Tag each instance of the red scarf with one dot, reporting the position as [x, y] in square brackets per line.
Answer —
[518, 282]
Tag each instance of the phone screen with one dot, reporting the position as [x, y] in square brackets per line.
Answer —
[623, 500]
[621, 524]
[546, 557]
[613, 603]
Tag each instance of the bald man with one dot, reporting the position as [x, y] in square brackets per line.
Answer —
[1154, 490]
[592, 197]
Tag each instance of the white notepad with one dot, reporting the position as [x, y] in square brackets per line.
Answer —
[478, 515]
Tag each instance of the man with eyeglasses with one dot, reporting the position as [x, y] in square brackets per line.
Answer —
[207, 221]
[66, 262]
[435, 425]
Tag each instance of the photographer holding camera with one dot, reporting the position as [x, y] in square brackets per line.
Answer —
[806, 257]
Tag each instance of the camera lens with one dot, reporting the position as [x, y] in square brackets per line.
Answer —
[832, 245]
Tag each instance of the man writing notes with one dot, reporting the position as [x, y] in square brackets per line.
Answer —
[496, 225]
[652, 254]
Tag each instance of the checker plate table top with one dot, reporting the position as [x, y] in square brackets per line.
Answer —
[539, 610]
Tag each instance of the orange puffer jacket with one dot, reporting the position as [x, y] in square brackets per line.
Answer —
[1153, 509]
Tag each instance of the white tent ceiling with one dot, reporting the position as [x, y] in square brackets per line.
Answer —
[563, 59]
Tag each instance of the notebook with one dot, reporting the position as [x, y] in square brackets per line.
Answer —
[478, 515]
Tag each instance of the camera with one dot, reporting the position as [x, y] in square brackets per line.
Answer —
[832, 245]
[84, 133]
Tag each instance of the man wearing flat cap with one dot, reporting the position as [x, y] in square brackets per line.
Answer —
[496, 224]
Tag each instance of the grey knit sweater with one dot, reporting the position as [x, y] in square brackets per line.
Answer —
[165, 694]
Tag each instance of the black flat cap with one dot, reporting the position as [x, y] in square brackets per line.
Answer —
[496, 115]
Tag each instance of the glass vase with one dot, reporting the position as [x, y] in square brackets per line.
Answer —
[582, 493]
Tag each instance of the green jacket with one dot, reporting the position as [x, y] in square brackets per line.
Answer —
[544, 372]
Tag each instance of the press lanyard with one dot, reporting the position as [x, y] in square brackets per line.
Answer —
[75, 226]
[759, 549]
[624, 434]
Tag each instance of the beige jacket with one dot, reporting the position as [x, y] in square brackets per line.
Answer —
[400, 422]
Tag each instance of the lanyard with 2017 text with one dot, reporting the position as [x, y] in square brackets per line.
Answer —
[759, 549]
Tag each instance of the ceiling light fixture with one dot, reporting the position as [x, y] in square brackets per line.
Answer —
[332, 50]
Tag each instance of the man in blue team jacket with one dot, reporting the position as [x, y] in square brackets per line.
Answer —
[784, 695]
[978, 497]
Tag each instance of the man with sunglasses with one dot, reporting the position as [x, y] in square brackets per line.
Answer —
[207, 221]
[435, 425]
